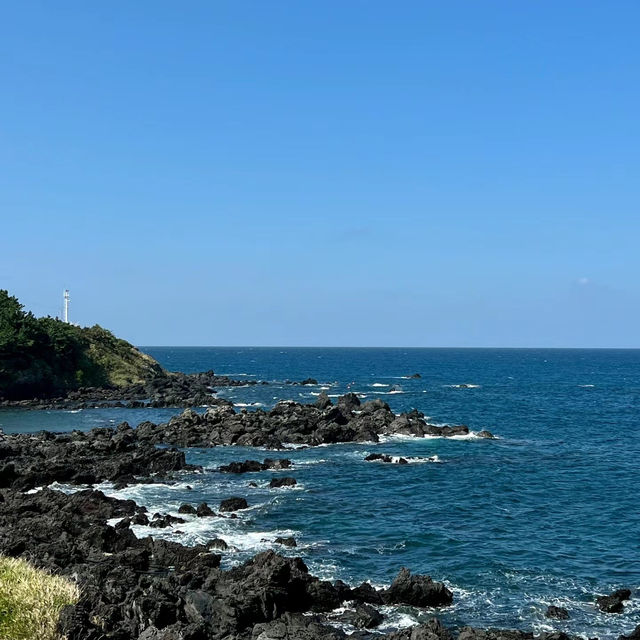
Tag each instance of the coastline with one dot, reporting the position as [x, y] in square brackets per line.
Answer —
[98, 549]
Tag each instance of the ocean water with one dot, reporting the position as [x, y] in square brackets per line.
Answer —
[548, 513]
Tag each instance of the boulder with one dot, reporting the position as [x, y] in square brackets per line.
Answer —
[277, 483]
[558, 613]
[233, 504]
[287, 542]
[613, 603]
[204, 510]
[364, 616]
[417, 591]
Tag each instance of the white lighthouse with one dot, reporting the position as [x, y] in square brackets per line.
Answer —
[67, 299]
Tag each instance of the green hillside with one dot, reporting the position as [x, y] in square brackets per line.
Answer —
[41, 357]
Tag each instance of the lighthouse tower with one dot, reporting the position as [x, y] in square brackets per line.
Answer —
[67, 299]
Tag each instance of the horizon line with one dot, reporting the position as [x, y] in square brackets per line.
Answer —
[195, 346]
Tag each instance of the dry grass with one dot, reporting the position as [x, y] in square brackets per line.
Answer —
[31, 600]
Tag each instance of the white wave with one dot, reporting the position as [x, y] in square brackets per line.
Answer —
[200, 530]
[411, 459]
[586, 385]
[472, 435]
[386, 393]
[396, 619]
[379, 384]
[419, 460]
[302, 463]
[248, 404]
[464, 385]
[66, 488]
[36, 489]
[293, 445]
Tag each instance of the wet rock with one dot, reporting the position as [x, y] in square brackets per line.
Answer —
[233, 504]
[349, 402]
[364, 616]
[365, 593]
[485, 434]
[383, 457]
[242, 467]
[378, 457]
[249, 466]
[634, 635]
[204, 510]
[430, 630]
[161, 521]
[187, 508]
[139, 519]
[277, 483]
[323, 401]
[277, 463]
[417, 591]
[613, 603]
[217, 543]
[456, 430]
[559, 613]
[287, 542]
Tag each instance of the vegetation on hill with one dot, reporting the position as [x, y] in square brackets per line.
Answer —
[41, 357]
[31, 600]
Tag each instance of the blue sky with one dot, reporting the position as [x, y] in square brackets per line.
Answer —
[325, 173]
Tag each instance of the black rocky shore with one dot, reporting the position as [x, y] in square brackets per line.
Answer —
[292, 423]
[171, 389]
[154, 589]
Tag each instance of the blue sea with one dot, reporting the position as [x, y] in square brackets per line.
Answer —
[548, 513]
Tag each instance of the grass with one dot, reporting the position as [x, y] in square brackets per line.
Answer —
[31, 600]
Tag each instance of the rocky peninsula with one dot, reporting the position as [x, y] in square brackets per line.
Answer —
[292, 423]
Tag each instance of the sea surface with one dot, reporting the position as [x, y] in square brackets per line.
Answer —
[548, 513]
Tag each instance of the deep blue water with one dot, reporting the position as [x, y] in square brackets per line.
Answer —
[546, 514]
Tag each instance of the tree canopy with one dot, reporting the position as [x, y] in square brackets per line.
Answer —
[41, 357]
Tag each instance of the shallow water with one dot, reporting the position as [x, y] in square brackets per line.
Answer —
[546, 514]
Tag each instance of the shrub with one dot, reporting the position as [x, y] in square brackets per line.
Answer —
[31, 600]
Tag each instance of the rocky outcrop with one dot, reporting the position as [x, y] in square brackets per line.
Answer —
[614, 602]
[150, 588]
[160, 389]
[249, 466]
[348, 420]
[145, 589]
[433, 629]
[364, 616]
[387, 459]
[286, 542]
[28, 460]
[233, 504]
[417, 591]
[278, 483]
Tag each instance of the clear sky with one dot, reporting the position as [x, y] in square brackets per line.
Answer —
[334, 172]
